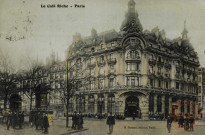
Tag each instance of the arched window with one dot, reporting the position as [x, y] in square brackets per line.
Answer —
[91, 102]
[111, 103]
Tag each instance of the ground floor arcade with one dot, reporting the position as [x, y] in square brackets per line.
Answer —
[136, 103]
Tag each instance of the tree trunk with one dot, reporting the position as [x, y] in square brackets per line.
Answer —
[5, 102]
[31, 99]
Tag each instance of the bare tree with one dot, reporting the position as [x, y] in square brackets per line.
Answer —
[8, 78]
[30, 75]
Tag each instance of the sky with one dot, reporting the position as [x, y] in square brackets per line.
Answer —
[27, 30]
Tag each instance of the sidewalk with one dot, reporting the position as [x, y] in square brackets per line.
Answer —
[200, 123]
[28, 130]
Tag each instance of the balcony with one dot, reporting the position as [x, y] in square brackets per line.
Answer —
[101, 73]
[167, 65]
[91, 65]
[178, 76]
[152, 61]
[133, 59]
[101, 63]
[112, 61]
[133, 72]
[160, 63]
[112, 71]
[167, 75]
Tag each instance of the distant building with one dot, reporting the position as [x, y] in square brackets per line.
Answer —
[133, 72]
[49, 83]
[201, 88]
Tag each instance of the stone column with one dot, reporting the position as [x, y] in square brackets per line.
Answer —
[145, 107]
[163, 104]
[86, 104]
[96, 103]
[170, 105]
[155, 104]
[185, 106]
[106, 101]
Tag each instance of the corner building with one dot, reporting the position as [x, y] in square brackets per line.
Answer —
[132, 72]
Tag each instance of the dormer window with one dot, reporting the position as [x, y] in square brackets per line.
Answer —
[93, 49]
[102, 58]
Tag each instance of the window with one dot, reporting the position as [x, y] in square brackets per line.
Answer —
[199, 89]
[132, 66]
[92, 49]
[177, 85]
[102, 46]
[151, 69]
[159, 59]
[92, 72]
[101, 83]
[167, 84]
[111, 56]
[133, 54]
[151, 83]
[101, 58]
[159, 84]
[92, 60]
[132, 81]
[102, 70]
[112, 69]
[159, 70]
[128, 81]
[199, 78]
[111, 82]
[92, 85]
[152, 57]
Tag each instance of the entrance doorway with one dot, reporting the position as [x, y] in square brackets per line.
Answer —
[132, 107]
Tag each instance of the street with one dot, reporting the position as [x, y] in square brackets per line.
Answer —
[99, 127]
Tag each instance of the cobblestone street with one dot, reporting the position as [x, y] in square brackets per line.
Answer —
[97, 127]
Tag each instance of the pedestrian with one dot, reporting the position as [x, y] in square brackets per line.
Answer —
[20, 119]
[9, 121]
[74, 120]
[191, 122]
[110, 122]
[45, 123]
[14, 120]
[80, 121]
[169, 123]
[36, 119]
[40, 120]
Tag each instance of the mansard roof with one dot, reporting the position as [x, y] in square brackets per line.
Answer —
[131, 24]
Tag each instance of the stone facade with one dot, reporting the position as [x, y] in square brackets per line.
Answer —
[133, 71]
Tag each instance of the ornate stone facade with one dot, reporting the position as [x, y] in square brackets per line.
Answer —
[133, 72]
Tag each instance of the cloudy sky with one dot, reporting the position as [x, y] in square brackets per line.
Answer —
[27, 30]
